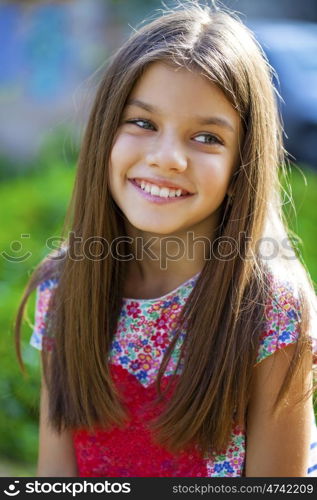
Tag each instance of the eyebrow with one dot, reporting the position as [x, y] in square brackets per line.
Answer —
[221, 121]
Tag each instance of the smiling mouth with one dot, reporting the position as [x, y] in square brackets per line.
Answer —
[157, 198]
[160, 191]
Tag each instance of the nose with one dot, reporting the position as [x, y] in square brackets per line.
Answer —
[167, 153]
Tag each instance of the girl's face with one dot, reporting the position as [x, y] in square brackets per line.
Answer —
[178, 132]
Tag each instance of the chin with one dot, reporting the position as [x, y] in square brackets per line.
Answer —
[155, 227]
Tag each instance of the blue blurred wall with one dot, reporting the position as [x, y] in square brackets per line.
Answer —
[48, 50]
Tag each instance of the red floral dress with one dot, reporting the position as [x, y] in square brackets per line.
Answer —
[144, 329]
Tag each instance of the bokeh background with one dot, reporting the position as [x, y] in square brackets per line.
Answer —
[51, 58]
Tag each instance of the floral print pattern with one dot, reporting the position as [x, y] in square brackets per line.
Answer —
[40, 337]
[282, 319]
[145, 329]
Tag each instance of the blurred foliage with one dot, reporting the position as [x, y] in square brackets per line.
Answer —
[301, 188]
[59, 148]
[35, 204]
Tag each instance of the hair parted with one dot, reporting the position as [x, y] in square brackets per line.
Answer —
[222, 328]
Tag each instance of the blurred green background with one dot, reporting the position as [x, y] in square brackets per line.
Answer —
[33, 203]
[34, 194]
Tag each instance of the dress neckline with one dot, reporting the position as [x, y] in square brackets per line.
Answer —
[163, 297]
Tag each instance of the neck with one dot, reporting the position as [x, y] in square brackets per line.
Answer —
[162, 262]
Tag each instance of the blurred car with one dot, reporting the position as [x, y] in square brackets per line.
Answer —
[291, 48]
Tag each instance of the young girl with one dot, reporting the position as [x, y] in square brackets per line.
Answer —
[176, 322]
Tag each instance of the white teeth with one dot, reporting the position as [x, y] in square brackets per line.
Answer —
[164, 192]
[155, 190]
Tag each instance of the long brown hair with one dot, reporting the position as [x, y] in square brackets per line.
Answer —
[224, 313]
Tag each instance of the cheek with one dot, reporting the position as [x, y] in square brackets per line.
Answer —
[214, 180]
[116, 155]
[124, 154]
[117, 164]
[124, 151]
[215, 173]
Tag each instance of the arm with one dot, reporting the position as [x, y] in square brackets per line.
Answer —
[56, 452]
[278, 446]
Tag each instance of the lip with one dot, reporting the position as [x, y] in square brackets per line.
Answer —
[158, 199]
[161, 183]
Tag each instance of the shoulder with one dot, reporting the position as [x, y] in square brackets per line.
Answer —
[268, 432]
[46, 279]
[41, 335]
[281, 324]
[51, 267]
[46, 286]
[44, 294]
[48, 276]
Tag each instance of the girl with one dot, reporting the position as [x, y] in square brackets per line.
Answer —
[175, 321]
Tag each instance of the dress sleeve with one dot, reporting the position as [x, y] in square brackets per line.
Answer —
[282, 321]
[41, 338]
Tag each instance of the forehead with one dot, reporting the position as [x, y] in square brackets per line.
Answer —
[169, 87]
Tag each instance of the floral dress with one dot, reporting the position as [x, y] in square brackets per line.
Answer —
[144, 330]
